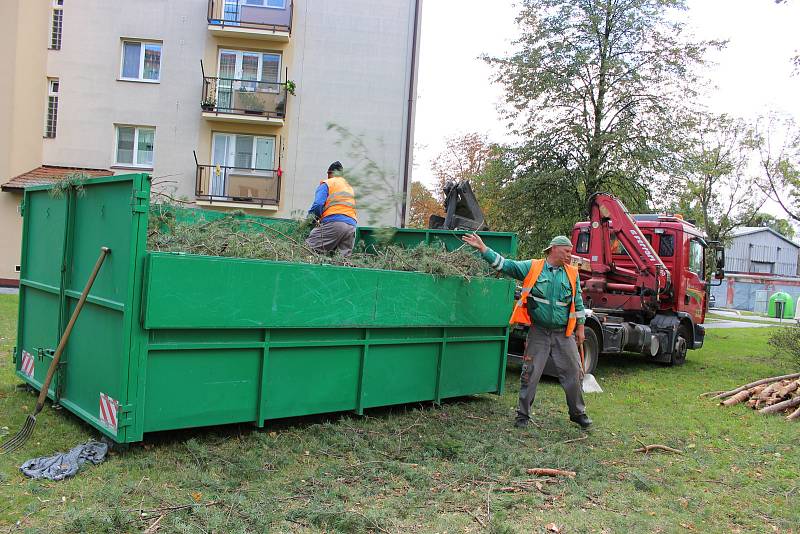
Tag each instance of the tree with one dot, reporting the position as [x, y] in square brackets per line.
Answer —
[423, 205]
[463, 157]
[596, 89]
[714, 184]
[777, 139]
[782, 226]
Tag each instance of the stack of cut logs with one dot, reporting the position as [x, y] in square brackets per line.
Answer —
[778, 394]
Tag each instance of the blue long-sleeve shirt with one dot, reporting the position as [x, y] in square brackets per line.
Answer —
[320, 196]
[551, 286]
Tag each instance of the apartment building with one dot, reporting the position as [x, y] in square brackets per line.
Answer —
[224, 102]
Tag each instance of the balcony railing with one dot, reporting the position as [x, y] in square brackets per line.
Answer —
[238, 15]
[244, 97]
[217, 183]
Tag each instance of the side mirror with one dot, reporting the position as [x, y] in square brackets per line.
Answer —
[719, 258]
[719, 274]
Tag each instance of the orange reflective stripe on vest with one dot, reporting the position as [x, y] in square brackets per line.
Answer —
[341, 198]
[520, 314]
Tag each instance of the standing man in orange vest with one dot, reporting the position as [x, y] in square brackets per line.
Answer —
[551, 304]
[334, 208]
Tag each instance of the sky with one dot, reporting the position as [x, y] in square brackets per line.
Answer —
[751, 77]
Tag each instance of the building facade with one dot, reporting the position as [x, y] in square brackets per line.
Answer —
[228, 103]
[758, 262]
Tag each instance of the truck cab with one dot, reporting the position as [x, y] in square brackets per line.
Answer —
[682, 248]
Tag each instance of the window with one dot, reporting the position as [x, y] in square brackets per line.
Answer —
[141, 61]
[56, 25]
[275, 4]
[52, 108]
[582, 246]
[696, 258]
[666, 245]
[135, 146]
[244, 151]
[244, 166]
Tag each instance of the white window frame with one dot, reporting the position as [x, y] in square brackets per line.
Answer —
[136, 129]
[263, 3]
[58, 5]
[141, 78]
[253, 155]
[51, 93]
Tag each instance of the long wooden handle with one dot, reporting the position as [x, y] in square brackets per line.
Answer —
[583, 358]
[104, 251]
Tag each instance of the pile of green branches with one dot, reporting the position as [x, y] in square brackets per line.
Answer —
[235, 235]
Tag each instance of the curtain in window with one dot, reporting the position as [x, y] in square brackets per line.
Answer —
[244, 152]
[130, 59]
[125, 145]
[265, 153]
[271, 68]
[144, 151]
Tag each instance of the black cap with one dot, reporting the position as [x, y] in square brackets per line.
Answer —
[335, 166]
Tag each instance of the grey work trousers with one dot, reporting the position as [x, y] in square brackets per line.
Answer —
[335, 236]
[542, 345]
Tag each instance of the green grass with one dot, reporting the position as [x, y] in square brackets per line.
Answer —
[426, 468]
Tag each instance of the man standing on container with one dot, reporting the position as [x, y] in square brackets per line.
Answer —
[552, 306]
[334, 208]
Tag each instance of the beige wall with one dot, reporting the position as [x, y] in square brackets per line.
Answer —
[350, 59]
[23, 92]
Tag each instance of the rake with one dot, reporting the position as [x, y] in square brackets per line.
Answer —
[22, 436]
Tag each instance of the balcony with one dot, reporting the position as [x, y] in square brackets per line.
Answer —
[244, 101]
[238, 186]
[269, 20]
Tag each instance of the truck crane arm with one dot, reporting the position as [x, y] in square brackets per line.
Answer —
[650, 277]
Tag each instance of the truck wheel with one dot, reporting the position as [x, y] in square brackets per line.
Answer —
[591, 350]
[681, 346]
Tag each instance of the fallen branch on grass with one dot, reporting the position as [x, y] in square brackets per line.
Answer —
[657, 447]
[548, 472]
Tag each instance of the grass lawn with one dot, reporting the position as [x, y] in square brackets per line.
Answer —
[459, 467]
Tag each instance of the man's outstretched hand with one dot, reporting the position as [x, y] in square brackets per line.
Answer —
[475, 241]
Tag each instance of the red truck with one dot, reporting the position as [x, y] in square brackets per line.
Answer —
[644, 282]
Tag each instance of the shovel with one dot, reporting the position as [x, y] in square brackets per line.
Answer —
[589, 383]
[22, 436]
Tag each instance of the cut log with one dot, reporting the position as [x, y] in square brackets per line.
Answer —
[779, 407]
[547, 472]
[794, 415]
[788, 388]
[736, 399]
[756, 383]
[768, 390]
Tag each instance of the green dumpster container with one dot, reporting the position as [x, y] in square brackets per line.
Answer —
[781, 305]
[169, 340]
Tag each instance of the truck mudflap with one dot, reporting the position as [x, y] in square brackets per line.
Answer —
[699, 336]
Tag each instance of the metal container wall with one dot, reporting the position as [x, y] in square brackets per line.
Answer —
[170, 341]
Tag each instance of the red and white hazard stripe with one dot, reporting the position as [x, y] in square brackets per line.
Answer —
[27, 364]
[108, 412]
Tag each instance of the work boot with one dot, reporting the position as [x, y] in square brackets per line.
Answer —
[582, 419]
[521, 422]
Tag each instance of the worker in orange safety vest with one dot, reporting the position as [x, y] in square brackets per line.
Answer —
[552, 306]
[334, 209]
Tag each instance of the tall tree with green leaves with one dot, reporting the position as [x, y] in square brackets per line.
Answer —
[715, 183]
[595, 89]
